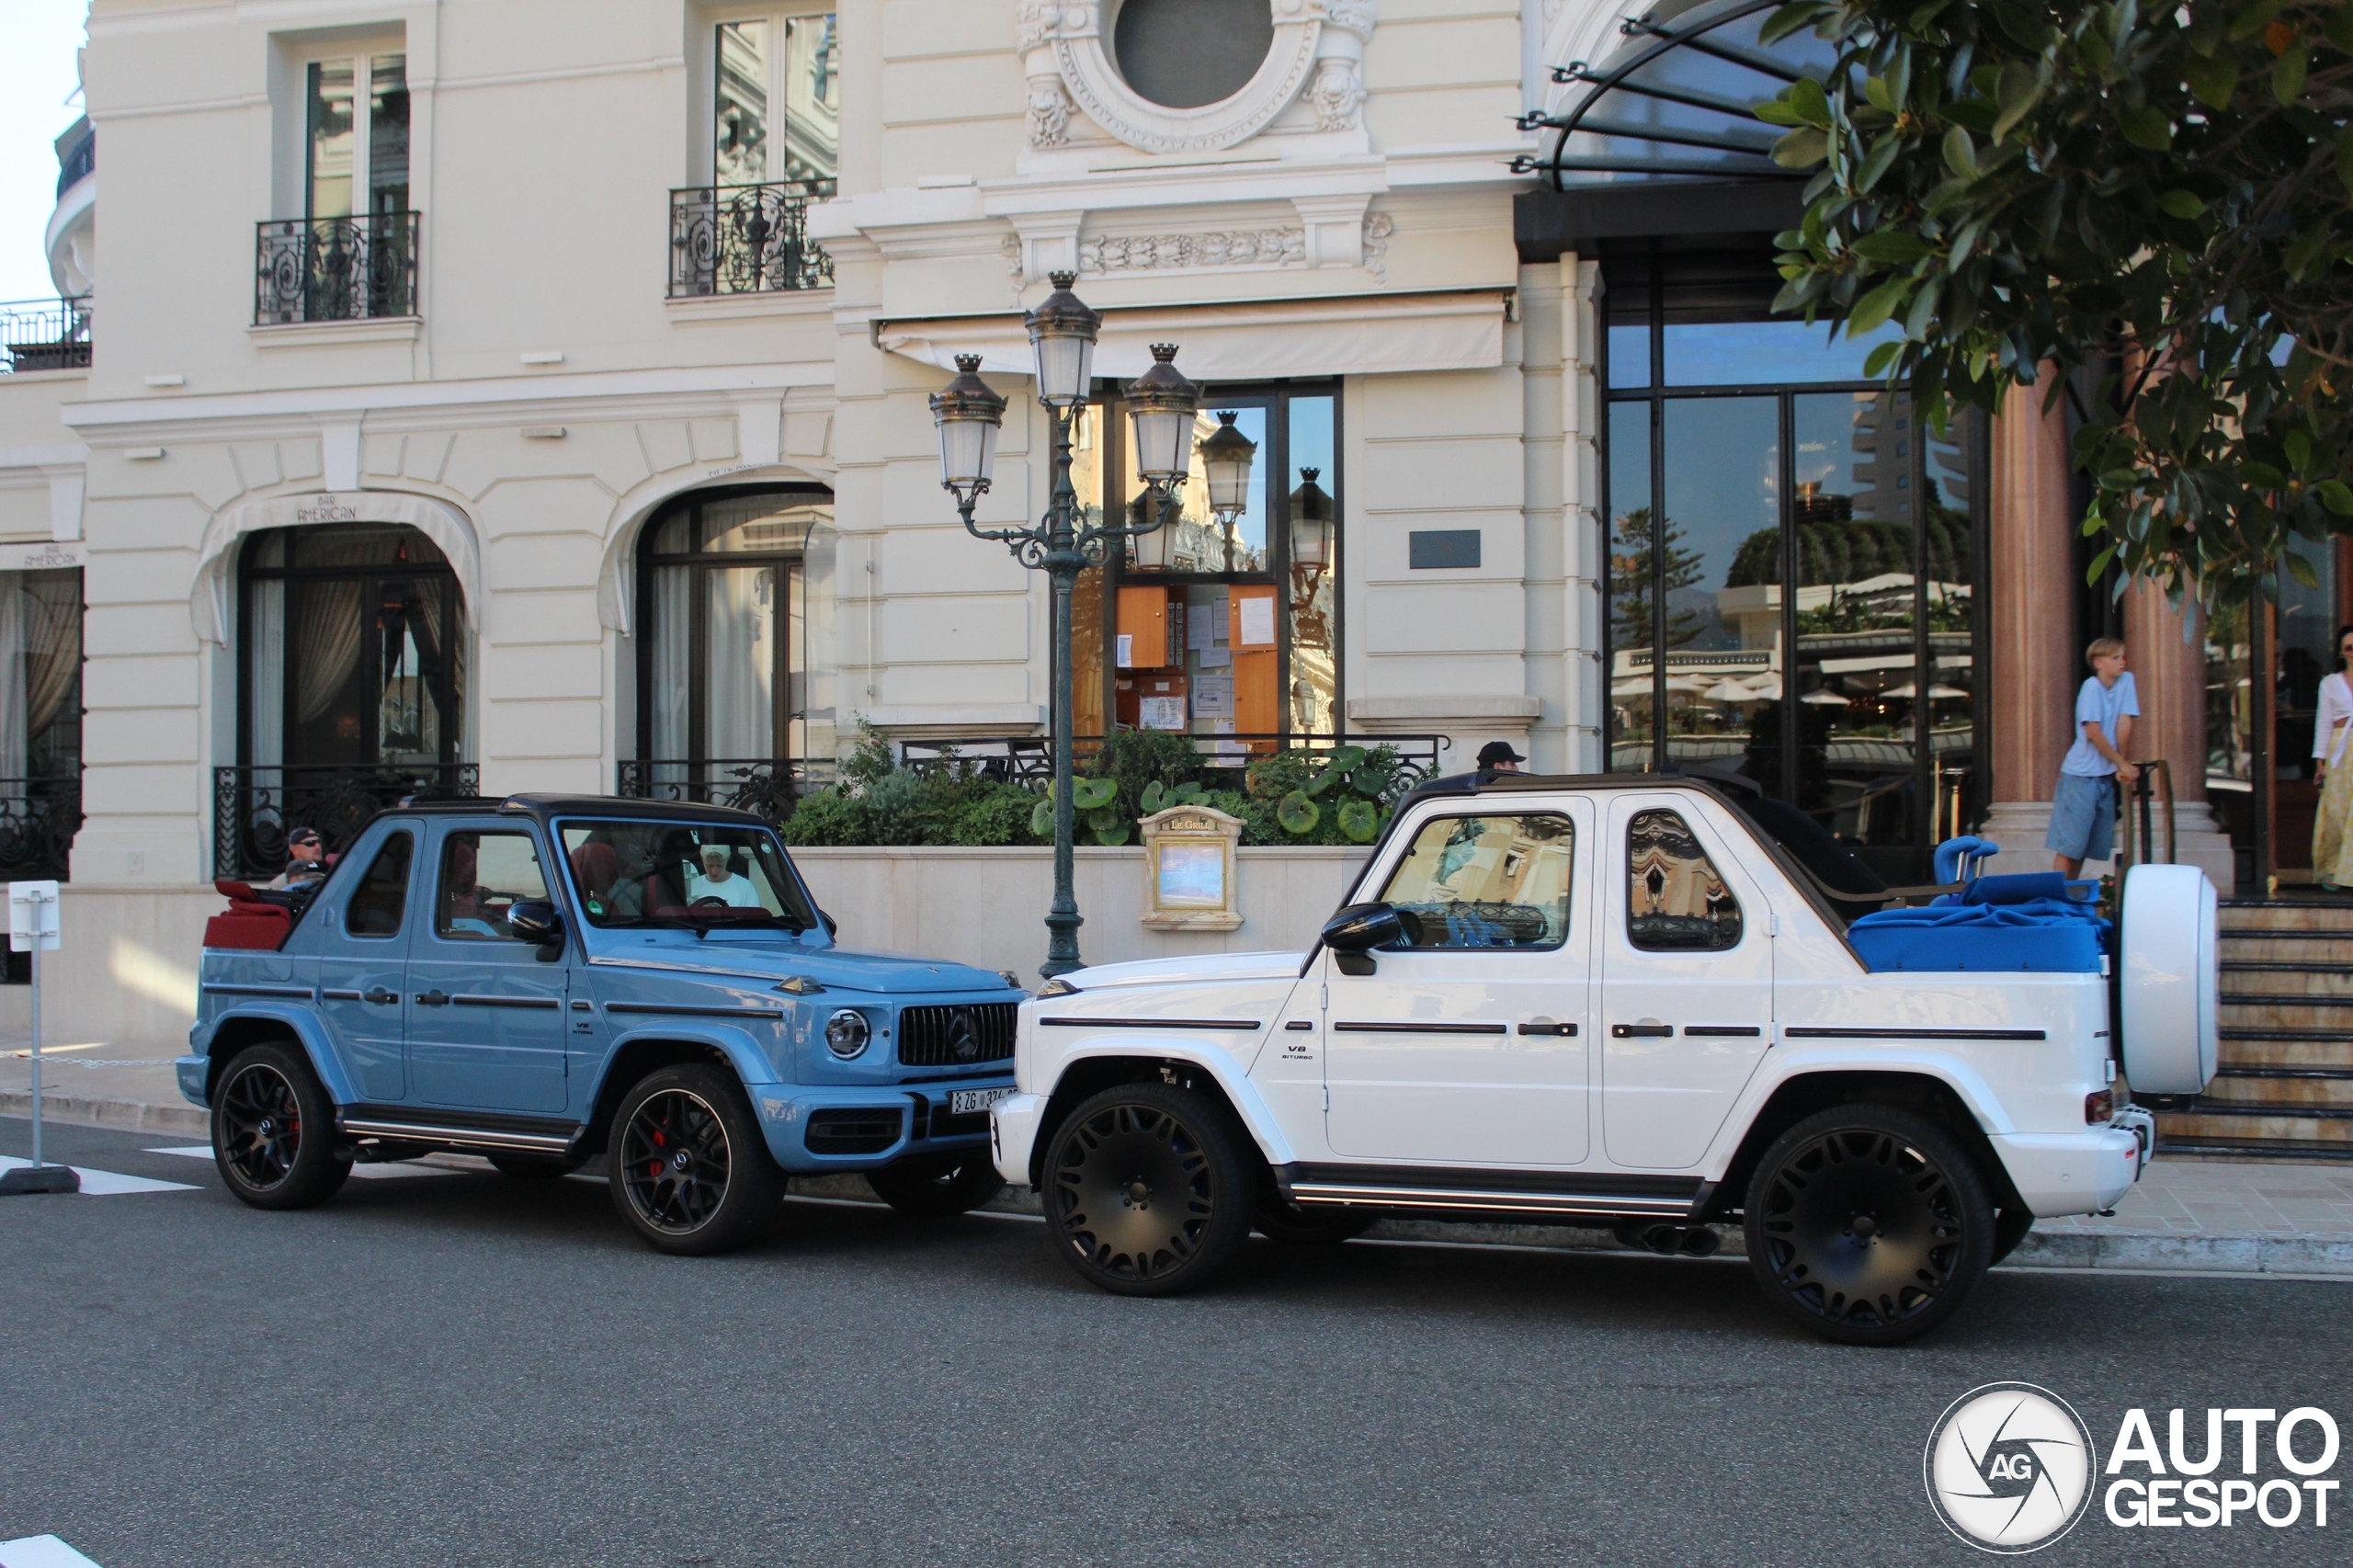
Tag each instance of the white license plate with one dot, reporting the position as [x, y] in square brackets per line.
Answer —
[965, 1102]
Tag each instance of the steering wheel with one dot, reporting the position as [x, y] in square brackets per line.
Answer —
[711, 900]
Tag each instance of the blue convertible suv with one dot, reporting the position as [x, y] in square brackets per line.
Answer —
[548, 980]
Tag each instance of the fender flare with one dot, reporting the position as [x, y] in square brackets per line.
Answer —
[304, 1027]
[1220, 1062]
[746, 1055]
[1954, 1074]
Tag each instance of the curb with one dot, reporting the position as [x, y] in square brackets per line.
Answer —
[129, 1116]
[2170, 1252]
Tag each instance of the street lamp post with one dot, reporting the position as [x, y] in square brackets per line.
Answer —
[1161, 405]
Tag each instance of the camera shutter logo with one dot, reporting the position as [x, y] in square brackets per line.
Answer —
[2009, 1467]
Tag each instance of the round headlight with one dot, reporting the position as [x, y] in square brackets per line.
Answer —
[847, 1033]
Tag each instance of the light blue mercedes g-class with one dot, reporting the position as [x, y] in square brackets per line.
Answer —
[549, 980]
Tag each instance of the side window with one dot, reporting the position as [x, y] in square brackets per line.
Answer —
[1497, 881]
[484, 875]
[382, 899]
[1675, 900]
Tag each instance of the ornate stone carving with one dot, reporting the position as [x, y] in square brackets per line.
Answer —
[1049, 112]
[1336, 95]
[1034, 21]
[1229, 247]
[1378, 227]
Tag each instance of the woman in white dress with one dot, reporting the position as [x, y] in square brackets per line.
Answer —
[2332, 732]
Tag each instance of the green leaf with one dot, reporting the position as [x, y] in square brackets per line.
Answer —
[1873, 310]
[2261, 475]
[1093, 794]
[1773, 112]
[2299, 450]
[2180, 203]
[2302, 570]
[2099, 568]
[1324, 781]
[1961, 153]
[2287, 73]
[1923, 311]
[2144, 125]
[1190, 795]
[1152, 797]
[1789, 19]
[2016, 89]
[1111, 826]
[1876, 365]
[1360, 820]
[1802, 148]
[2212, 82]
[2023, 22]
[1347, 758]
[1809, 102]
[1041, 817]
[2336, 495]
[1893, 247]
[2304, 257]
[1296, 813]
[2253, 20]
[1876, 94]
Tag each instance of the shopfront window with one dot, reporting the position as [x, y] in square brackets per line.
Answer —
[1792, 562]
[1223, 625]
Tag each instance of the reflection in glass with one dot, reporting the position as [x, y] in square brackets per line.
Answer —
[1314, 604]
[1629, 354]
[811, 99]
[1761, 353]
[1675, 899]
[1952, 625]
[2306, 642]
[1632, 638]
[1486, 882]
[331, 138]
[740, 123]
[388, 134]
[1721, 632]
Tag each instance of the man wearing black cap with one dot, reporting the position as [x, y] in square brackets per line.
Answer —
[305, 860]
[1496, 756]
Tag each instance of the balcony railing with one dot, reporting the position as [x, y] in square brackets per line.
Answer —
[39, 818]
[255, 808]
[745, 239]
[318, 269]
[45, 334]
[764, 785]
[1029, 759]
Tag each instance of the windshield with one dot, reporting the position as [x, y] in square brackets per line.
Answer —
[659, 873]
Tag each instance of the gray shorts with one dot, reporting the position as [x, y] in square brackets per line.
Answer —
[2083, 818]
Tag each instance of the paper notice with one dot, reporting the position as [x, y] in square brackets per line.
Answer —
[1216, 656]
[1126, 651]
[1161, 713]
[1220, 620]
[1213, 698]
[1257, 622]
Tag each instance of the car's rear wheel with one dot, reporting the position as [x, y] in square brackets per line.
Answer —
[1868, 1225]
[1288, 1225]
[1148, 1192]
[690, 1172]
[273, 1129]
[933, 1189]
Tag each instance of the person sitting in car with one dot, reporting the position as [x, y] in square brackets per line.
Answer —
[717, 881]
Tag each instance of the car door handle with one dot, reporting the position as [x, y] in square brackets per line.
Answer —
[432, 999]
[1642, 1031]
[1563, 1031]
[381, 997]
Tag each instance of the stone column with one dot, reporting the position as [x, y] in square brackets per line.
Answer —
[2170, 673]
[2036, 666]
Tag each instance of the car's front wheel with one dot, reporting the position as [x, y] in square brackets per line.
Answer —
[273, 1129]
[1868, 1225]
[689, 1170]
[1148, 1190]
[934, 1189]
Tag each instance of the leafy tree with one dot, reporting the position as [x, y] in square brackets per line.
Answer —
[1630, 580]
[2154, 192]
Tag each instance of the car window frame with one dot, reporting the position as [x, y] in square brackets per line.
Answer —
[570, 875]
[1712, 853]
[408, 894]
[444, 842]
[1568, 894]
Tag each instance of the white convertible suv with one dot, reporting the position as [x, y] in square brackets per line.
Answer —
[1643, 1002]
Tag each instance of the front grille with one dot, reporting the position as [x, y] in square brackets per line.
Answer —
[865, 1130]
[956, 1036]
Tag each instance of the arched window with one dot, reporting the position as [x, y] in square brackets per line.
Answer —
[727, 651]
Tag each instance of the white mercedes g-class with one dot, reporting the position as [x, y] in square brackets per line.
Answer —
[1643, 1002]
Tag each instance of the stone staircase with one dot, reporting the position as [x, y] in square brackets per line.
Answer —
[2285, 1089]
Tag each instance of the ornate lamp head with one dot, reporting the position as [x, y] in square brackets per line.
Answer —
[969, 416]
[1062, 332]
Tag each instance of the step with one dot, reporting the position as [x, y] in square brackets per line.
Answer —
[2243, 1010]
[2287, 1048]
[2206, 1119]
[2287, 914]
[2274, 977]
[2292, 1089]
[2289, 946]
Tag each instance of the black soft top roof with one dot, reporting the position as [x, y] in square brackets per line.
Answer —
[544, 808]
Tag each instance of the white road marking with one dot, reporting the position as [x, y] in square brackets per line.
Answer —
[40, 1551]
[192, 1151]
[100, 1183]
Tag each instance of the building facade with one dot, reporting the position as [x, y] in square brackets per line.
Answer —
[531, 395]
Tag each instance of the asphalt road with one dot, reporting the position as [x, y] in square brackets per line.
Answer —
[465, 1370]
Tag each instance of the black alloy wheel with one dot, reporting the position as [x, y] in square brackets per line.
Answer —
[934, 1189]
[1291, 1225]
[1868, 1225]
[1148, 1190]
[689, 1170]
[273, 1129]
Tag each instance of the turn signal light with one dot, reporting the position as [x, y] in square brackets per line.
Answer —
[2098, 1106]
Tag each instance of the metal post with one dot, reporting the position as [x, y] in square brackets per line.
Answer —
[40, 1176]
[36, 1010]
[1064, 563]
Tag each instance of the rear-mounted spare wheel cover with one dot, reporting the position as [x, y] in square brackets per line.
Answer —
[2170, 980]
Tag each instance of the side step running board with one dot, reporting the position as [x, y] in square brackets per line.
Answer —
[1321, 1193]
[459, 1137]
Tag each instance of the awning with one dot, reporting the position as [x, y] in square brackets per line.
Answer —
[207, 600]
[1355, 336]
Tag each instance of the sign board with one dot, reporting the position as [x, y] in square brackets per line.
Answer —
[1189, 868]
[32, 911]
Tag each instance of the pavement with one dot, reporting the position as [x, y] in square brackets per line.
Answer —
[446, 1367]
[2190, 1216]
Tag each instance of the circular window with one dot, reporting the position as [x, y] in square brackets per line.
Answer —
[1185, 54]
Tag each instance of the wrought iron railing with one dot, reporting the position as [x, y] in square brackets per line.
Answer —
[316, 269]
[255, 808]
[1029, 759]
[45, 334]
[39, 818]
[768, 786]
[746, 239]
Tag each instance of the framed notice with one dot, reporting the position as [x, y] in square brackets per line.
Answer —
[1189, 869]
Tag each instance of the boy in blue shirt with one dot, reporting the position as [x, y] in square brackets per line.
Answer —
[2082, 810]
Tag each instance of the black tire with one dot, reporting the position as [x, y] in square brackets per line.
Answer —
[274, 1137]
[1288, 1225]
[532, 1167]
[1868, 1224]
[1148, 1190]
[936, 1188]
[2010, 1227]
[690, 1172]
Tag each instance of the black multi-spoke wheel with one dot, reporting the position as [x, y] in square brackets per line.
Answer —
[1148, 1192]
[1288, 1225]
[273, 1130]
[934, 1187]
[1868, 1224]
[690, 1172]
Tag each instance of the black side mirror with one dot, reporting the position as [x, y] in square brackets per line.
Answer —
[536, 920]
[1360, 927]
[833, 926]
